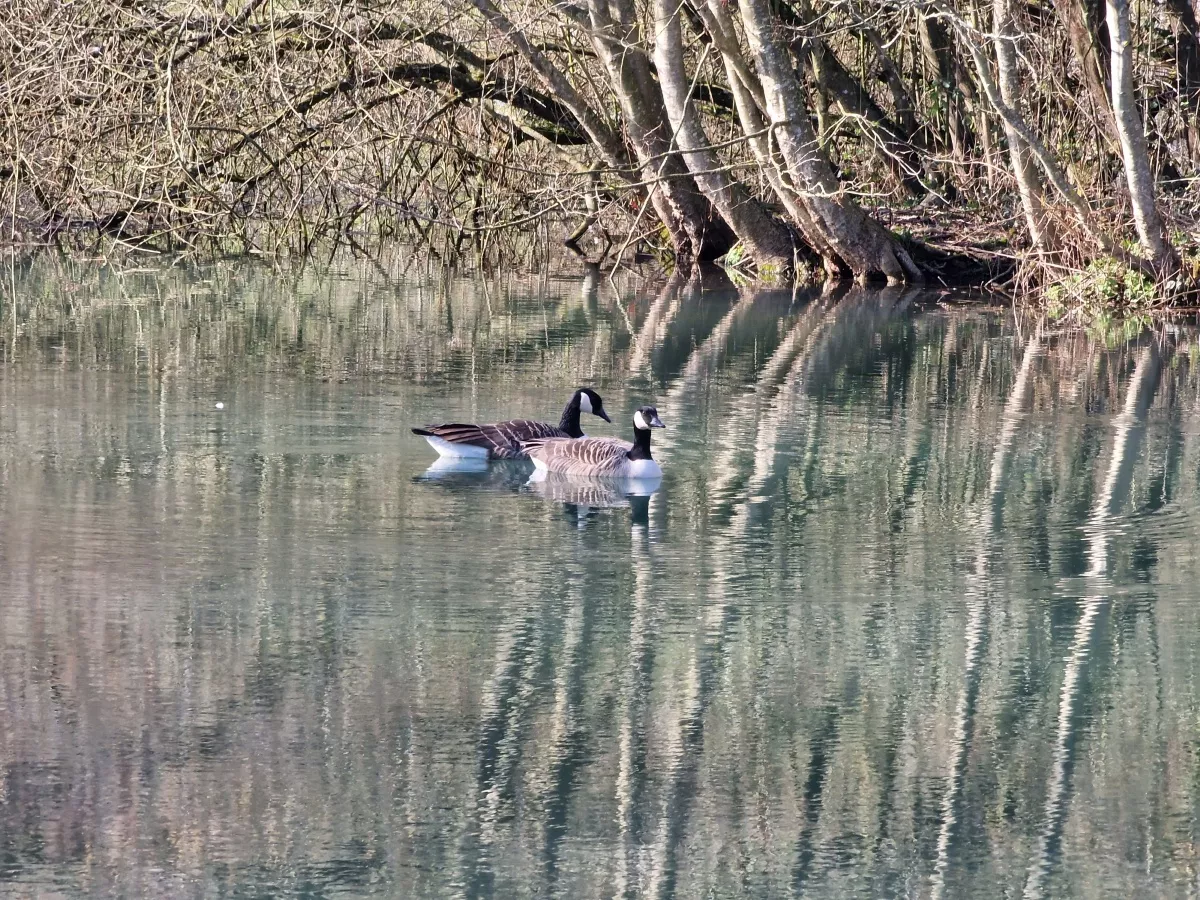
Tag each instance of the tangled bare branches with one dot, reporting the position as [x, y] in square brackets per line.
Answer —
[776, 130]
[263, 130]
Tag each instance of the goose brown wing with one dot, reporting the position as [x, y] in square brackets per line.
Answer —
[585, 456]
[502, 439]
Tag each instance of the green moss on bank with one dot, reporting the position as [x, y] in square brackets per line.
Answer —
[1112, 301]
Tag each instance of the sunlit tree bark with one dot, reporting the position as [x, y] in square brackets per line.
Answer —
[891, 142]
[749, 102]
[766, 238]
[1023, 166]
[1135, 155]
[861, 244]
[696, 229]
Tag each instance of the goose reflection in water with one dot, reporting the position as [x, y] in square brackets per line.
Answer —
[467, 472]
[585, 496]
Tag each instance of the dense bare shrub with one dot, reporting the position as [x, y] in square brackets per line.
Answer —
[777, 130]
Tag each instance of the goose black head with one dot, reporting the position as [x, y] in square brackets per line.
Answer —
[590, 402]
[646, 418]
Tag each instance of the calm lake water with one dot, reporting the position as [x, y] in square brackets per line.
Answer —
[913, 613]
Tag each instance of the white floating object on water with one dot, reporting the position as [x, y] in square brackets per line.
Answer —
[220, 405]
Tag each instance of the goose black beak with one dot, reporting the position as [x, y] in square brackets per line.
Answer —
[656, 422]
[602, 414]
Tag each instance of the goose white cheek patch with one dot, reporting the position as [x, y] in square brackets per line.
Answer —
[585, 403]
[639, 421]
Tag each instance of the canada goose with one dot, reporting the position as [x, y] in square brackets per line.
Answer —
[503, 439]
[602, 457]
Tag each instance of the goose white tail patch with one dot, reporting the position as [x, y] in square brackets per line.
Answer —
[460, 451]
[585, 403]
[639, 421]
[539, 465]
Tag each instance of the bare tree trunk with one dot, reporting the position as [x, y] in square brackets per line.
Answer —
[1028, 183]
[860, 242]
[938, 50]
[694, 232]
[885, 139]
[1014, 123]
[767, 239]
[1074, 16]
[695, 228]
[749, 101]
[1134, 152]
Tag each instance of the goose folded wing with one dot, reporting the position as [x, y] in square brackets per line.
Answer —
[503, 439]
[586, 456]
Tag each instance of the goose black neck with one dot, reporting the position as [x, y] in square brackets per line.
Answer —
[641, 444]
[570, 419]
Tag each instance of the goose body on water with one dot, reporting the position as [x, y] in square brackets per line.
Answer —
[601, 457]
[502, 440]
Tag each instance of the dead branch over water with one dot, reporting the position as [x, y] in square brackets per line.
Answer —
[803, 134]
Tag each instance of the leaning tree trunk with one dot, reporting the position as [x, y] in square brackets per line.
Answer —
[1015, 124]
[1028, 184]
[1134, 153]
[748, 99]
[767, 240]
[695, 228]
[860, 242]
[687, 221]
[885, 138]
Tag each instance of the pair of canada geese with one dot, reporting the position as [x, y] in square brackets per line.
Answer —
[563, 449]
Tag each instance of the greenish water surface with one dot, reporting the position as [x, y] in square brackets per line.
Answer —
[913, 613]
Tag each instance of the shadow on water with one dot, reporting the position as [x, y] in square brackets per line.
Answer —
[908, 614]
